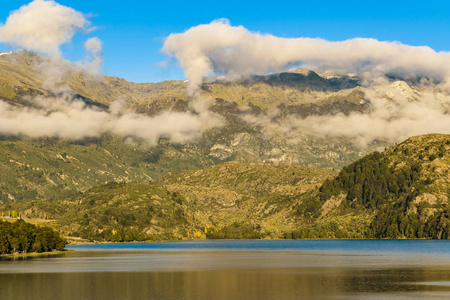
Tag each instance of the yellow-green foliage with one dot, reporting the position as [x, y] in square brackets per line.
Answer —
[209, 201]
[50, 168]
[238, 200]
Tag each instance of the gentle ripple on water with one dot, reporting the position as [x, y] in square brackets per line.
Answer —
[216, 270]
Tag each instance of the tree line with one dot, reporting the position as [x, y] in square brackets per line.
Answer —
[22, 237]
[372, 184]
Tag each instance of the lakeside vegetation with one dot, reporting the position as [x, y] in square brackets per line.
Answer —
[181, 205]
[21, 237]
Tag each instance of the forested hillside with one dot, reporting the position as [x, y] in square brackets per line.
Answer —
[405, 190]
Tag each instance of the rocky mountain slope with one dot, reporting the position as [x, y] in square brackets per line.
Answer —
[402, 192]
[260, 114]
[255, 110]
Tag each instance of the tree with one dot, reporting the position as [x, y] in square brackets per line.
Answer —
[23, 237]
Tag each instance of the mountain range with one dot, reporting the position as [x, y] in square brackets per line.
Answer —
[265, 168]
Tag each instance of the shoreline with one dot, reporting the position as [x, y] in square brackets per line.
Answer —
[280, 239]
[35, 254]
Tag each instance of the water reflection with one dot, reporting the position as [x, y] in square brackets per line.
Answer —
[225, 275]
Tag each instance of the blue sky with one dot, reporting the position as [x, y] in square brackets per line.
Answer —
[133, 31]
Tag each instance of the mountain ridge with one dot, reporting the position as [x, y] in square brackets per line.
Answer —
[265, 120]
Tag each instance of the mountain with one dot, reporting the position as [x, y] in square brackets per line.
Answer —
[257, 198]
[266, 119]
[26, 73]
[257, 111]
[49, 167]
[402, 192]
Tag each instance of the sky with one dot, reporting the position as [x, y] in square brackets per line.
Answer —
[133, 32]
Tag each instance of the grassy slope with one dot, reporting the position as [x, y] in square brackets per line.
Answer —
[183, 203]
[51, 168]
[408, 188]
[235, 192]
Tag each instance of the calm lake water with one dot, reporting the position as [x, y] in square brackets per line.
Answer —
[300, 269]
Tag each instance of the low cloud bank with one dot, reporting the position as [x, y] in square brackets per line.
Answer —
[221, 49]
[389, 120]
[71, 119]
[397, 111]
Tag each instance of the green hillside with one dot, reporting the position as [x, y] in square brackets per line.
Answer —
[402, 192]
[182, 204]
[52, 168]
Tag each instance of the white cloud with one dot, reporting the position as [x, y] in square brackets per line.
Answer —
[42, 26]
[397, 112]
[389, 120]
[219, 48]
[73, 120]
[94, 50]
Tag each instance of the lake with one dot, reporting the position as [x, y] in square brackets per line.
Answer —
[209, 270]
